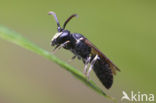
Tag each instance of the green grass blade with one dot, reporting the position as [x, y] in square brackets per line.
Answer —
[16, 38]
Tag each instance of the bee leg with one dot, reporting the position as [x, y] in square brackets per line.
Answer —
[55, 49]
[86, 65]
[91, 65]
[60, 46]
[78, 57]
[63, 44]
[74, 57]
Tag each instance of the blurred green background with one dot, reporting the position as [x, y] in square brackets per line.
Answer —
[124, 30]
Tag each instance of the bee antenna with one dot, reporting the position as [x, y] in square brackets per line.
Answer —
[55, 17]
[65, 23]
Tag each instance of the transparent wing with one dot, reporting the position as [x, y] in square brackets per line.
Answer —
[95, 51]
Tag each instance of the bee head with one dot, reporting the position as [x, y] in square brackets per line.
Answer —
[62, 35]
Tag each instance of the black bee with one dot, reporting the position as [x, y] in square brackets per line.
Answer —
[83, 49]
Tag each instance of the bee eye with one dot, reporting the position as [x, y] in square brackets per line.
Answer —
[63, 37]
[64, 34]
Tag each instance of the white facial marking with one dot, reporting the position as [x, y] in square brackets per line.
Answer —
[56, 35]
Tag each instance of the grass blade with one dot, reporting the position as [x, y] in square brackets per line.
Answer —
[16, 38]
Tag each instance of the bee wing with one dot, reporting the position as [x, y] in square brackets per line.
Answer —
[95, 51]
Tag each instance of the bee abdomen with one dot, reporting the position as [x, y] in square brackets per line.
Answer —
[104, 73]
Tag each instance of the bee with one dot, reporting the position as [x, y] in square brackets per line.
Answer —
[83, 49]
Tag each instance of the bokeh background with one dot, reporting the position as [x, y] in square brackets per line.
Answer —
[124, 30]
